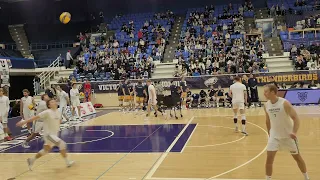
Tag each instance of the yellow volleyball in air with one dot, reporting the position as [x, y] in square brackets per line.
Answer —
[65, 17]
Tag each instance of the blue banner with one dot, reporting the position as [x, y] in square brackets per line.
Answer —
[204, 82]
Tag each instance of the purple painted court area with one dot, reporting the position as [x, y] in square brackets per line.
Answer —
[118, 139]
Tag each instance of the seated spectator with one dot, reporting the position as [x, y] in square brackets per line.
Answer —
[312, 85]
[300, 65]
[196, 73]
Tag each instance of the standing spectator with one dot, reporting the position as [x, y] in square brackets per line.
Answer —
[36, 85]
[68, 60]
[253, 84]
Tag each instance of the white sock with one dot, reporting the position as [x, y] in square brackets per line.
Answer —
[306, 176]
[243, 128]
[6, 135]
[268, 177]
[67, 160]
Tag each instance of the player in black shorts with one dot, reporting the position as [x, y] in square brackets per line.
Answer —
[220, 95]
[126, 93]
[146, 97]
[120, 94]
[131, 100]
[203, 98]
[212, 96]
[188, 98]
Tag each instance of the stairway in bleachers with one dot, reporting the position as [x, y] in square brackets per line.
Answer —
[279, 64]
[164, 70]
[249, 24]
[19, 36]
[261, 13]
[169, 53]
[274, 46]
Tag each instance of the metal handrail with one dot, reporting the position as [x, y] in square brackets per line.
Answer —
[46, 76]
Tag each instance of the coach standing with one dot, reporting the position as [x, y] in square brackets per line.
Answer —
[68, 60]
[253, 83]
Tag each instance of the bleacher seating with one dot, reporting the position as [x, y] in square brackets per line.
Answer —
[212, 42]
[139, 39]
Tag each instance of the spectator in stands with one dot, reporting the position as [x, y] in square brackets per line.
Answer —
[36, 85]
[312, 85]
[68, 60]
[300, 64]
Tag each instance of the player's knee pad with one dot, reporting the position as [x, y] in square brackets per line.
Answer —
[62, 145]
[243, 121]
[43, 152]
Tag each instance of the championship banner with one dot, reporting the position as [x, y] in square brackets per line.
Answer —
[204, 82]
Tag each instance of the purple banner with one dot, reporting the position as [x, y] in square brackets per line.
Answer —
[204, 82]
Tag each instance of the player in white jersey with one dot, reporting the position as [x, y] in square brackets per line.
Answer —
[75, 101]
[51, 126]
[63, 98]
[27, 105]
[282, 124]
[238, 93]
[37, 125]
[152, 101]
[4, 110]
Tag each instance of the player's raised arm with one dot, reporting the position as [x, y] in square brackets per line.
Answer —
[267, 121]
[293, 115]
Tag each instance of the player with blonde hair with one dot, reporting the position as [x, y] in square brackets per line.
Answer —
[51, 126]
[238, 93]
[282, 124]
[4, 110]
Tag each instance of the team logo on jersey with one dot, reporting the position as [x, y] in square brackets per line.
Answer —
[303, 96]
[211, 81]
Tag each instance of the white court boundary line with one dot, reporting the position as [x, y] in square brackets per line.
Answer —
[185, 144]
[220, 144]
[197, 179]
[254, 158]
[158, 163]
[164, 155]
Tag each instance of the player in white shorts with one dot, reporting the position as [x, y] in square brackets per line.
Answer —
[37, 125]
[75, 101]
[238, 93]
[26, 112]
[152, 102]
[63, 98]
[4, 110]
[51, 126]
[282, 124]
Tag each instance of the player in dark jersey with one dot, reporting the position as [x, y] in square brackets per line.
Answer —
[203, 98]
[131, 101]
[183, 86]
[195, 99]
[212, 96]
[140, 94]
[126, 94]
[220, 95]
[120, 94]
[146, 96]
[176, 97]
[188, 97]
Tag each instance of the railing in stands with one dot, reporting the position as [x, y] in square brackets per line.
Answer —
[46, 76]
